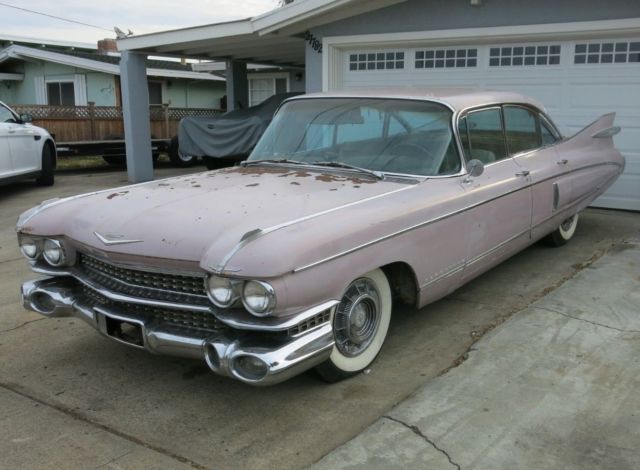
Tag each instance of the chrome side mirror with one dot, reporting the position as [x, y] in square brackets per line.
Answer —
[474, 168]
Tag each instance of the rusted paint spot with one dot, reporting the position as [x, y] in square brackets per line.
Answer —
[121, 193]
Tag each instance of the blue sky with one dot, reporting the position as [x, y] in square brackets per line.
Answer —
[141, 16]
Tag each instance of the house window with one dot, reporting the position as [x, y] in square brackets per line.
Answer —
[607, 53]
[377, 61]
[263, 86]
[516, 56]
[155, 93]
[60, 94]
[446, 58]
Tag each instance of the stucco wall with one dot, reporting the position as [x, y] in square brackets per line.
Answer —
[425, 15]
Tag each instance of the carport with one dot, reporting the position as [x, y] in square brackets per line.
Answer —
[277, 38]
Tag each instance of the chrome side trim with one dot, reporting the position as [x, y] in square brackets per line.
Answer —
[500, 245]
[446, 216]
[242, 320]
[254, 235]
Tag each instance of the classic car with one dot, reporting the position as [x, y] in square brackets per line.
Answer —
[26, 151]
[350, 204]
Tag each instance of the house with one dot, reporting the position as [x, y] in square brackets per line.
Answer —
[59, 73]
[580, 58]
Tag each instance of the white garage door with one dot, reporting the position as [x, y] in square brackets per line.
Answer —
[577, 81]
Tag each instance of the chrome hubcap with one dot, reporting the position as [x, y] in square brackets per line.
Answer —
[566, 225]
[357, 318]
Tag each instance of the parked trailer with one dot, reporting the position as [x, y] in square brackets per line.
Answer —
[112, 151]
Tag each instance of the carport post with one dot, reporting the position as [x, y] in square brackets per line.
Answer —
[237, 85]
[135, 108]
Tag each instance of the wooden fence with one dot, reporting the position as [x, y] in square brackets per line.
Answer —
[91, 123]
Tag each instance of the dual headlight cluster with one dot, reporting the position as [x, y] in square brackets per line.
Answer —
[258, 297]
[50, 249]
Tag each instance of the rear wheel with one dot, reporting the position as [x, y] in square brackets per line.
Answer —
[177, 157]
[564, 232]
[46, 177]
[360, 326]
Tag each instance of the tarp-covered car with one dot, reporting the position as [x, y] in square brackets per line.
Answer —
[350, 203]
[223, 139]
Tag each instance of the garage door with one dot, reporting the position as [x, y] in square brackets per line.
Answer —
[577, 81]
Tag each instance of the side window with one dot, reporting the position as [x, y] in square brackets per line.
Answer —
[485, 136]
[548, 136]
[521, 126]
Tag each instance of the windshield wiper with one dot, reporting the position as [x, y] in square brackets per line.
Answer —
[376, 174]
[272, 160]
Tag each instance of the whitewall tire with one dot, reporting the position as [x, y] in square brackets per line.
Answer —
[360, 326]
[564, 232]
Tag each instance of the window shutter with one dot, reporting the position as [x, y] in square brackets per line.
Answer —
[80, 90]
[41, 91]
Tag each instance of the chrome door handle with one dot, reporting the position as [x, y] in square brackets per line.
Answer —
[523, 173]
[564, 161]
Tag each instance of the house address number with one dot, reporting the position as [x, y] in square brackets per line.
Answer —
[314, 42]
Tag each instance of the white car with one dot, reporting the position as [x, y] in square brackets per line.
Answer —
[26, 151]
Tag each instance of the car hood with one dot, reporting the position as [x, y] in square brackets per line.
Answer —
[202, 218]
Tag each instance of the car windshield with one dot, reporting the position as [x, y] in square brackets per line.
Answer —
[382, 135]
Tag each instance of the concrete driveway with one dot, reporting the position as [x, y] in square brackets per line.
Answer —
[71, 398]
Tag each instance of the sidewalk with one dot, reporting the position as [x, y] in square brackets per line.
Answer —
[556, 386]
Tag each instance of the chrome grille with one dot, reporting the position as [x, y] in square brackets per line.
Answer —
[164, 287]
[309, 324]
[199, 320]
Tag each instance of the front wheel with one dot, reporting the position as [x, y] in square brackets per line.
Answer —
[360, 326]
[564, 232]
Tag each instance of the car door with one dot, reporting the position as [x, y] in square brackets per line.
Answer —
[499, 200]
[23, 146]
[530, 142]
[6, 166]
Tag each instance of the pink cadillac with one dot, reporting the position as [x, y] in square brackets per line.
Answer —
[349, 204]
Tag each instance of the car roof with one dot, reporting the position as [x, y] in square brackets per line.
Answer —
[456, 98]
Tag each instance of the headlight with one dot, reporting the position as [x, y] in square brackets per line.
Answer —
[29, 248]
[53, 252]
[258, 298]
[222, 291]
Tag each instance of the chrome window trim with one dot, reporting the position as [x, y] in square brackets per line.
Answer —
[453, 110]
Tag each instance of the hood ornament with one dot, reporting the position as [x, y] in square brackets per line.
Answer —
[112, 239]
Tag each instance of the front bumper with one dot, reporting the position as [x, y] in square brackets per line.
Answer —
[224, 349]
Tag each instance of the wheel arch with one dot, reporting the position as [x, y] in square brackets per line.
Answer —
[403, 281]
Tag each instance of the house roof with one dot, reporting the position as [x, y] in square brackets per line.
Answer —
[41, 42]
[102, 62]
[274, 38]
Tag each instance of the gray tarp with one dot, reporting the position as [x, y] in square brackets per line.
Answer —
[231, 134]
